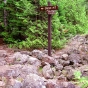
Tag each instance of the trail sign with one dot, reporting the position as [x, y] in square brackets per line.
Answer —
[49, 10]
[44, 8]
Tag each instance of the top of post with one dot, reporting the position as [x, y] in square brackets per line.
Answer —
[49, 4]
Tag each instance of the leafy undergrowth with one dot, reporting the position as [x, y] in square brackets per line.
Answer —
[80, 80]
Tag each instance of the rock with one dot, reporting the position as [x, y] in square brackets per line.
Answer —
[34, 61]
[59, 66]
[13, 83]
[74, 58]
[84, 59]
[3, 53]
[59, 84]
[65, 84]
[3, 69]
[26, 69]
[46, 51]
[20, 58]
[57, 57]
[57, 73]
[47, 71]
[64, 63]
[2, 63]
[62, 77]
[48, 59]
[84, 70]
[83, 47]
[2, 84]
[26, 53]
[17, 84]
[73, 50]
[69, 72]
[36, 53]
[65, 56]
[12, 73]
[33, 81]
[51, 84]
[10, 59]
[70, 85]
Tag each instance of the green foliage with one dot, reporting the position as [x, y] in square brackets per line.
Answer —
[27, 26]
[73, 14]
[80, 80]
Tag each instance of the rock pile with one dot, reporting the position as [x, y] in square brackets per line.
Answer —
[35, 69]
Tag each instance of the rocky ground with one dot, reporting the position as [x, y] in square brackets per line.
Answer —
[35, 69]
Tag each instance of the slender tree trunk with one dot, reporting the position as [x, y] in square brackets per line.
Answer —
[5, 15]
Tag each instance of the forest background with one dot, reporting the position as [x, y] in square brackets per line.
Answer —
[23, 25]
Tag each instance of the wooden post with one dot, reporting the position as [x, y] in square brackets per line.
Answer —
[49, 32]
[49, 10]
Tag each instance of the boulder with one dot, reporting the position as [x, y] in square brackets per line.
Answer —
[34, 61]
[48, 59]
[47, 71]
[33, 81]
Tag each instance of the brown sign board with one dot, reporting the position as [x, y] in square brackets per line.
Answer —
[44, 8]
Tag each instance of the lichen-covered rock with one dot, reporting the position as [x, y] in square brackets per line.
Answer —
[47, 71]
[27, 69]
[34, 61]
[17, 84]
[37, 53]
[33, 81]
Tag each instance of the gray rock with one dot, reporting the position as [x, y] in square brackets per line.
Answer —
[26, 52]
[3, 53]
[33, 81]
[47, 71]
[57, 73]
[74, 58]
[45, 51]
[13, 73]
[29, 69]
[65, 85]
[65, 56]
[51, 84]
[2, 63]
[62, 77]
[59, 66]
[64, 63]
[17, 84]
[48, 59]
[2, 84]
[69, 72]
[10, 59]
[36, 53]
[34, 61]
[59, 84]
[18, 57]
[84, 70]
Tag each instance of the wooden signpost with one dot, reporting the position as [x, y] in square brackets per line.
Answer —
[49, 10]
